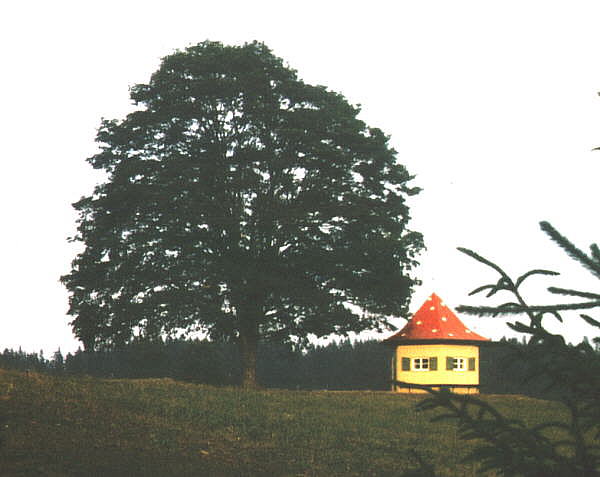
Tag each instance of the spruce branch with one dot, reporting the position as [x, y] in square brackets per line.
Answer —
[504, 283]
[571, 250]
[572, 371]
[569, 292]
[502, 444]
[485, 261]
[588, 319]
[523, 277]
[516, 308]
[481, 288]
[595, 252]
[556, 314]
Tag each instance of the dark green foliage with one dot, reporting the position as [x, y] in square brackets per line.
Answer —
[197, 361]
[360, 365]
[505, 367]
[242, 202]
[351, 366]
[11, 359]
[570, 374]
[509, 367]
[509, 446]
[344, 365]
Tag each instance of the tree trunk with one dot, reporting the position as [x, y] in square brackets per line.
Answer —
[248, 350]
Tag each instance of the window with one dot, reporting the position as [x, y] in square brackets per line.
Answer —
[421, 364]
[458, 364]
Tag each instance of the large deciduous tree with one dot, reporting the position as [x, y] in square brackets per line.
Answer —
[241, 202]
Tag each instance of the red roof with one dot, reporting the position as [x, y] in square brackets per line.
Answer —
[435, 321]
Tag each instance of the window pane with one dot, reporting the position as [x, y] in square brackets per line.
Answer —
[420, 364]
[458, 363]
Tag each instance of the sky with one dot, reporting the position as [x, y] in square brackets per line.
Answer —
[492, 105]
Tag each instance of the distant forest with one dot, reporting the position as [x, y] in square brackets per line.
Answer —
[362, 365]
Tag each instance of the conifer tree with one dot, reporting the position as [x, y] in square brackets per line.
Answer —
[571, 371]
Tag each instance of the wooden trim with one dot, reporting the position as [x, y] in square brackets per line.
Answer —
[439, 341]
[421, 386]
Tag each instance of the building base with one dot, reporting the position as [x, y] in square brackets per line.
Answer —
[454, 388]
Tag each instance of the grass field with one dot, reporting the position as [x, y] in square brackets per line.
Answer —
[93, 427]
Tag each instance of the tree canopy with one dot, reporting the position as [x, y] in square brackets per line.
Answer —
[244, 203]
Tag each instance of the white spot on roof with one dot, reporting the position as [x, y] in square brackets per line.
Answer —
[403, 334]
[468, 331]
[432, 308]
[419, 322]
[450, 334]
[434, 330]
[444, 318]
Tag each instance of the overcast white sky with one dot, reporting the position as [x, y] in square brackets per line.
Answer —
[491, 104]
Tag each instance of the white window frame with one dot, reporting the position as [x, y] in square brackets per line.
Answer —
[459, 364]
[420, 364]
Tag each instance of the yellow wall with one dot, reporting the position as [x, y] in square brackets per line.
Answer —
[441, 376]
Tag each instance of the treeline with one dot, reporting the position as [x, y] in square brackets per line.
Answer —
[343, 365]
[505, 366]
[512, 367]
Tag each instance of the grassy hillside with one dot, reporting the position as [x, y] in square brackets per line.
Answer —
[92, 427]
